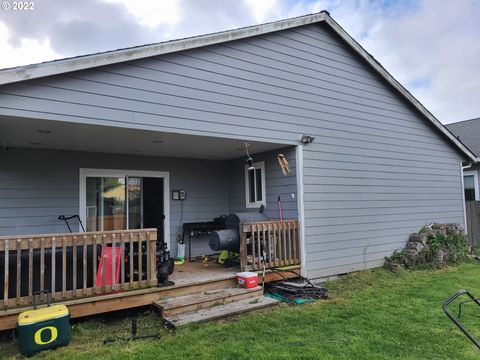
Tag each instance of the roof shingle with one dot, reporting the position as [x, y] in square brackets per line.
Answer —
[468, 132]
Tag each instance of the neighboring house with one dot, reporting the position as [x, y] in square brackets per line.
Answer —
[176, 115]
[468, 132]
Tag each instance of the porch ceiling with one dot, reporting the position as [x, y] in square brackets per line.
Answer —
[44, 134]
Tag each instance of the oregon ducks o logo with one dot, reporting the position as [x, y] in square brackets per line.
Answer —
[38, 335]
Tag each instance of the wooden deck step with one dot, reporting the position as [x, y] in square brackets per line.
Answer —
[202, 300]
[221, 311]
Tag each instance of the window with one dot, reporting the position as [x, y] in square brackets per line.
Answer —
[255, 185]
[470, 185]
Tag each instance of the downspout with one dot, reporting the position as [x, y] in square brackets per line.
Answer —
[463, 194]
[467, 166]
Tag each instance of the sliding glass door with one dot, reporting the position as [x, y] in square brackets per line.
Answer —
[114, 203]
[112, 199]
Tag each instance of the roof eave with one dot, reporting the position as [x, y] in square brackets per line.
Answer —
[27, 72]
[390, 79]
[56, 67]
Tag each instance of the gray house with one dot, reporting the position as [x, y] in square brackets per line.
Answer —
[161, 129]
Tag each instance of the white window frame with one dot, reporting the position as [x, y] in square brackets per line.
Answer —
[256, 204]
[475, 182]
[86, 172]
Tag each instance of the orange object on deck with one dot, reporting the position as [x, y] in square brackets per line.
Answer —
[108, 266]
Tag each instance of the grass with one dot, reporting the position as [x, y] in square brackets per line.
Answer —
[373, 314]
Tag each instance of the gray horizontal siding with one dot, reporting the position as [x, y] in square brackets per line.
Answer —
[38, 185]
[358, 206]
[375, 172]
[218, 80]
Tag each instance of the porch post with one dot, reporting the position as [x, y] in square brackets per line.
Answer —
[301, 208]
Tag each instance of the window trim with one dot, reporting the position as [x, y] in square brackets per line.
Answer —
[473, 173]
[256, 204]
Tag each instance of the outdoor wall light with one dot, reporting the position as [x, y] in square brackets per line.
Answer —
[306, 139]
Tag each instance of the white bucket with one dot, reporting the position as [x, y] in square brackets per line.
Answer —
[181, 251]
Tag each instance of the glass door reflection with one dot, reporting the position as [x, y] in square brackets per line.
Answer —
[105, 203]
[135, 204]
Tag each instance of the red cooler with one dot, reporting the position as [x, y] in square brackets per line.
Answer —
[247, 279]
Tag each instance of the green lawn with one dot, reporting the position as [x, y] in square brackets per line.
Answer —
[370, 315]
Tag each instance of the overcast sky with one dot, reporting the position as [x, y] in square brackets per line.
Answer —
[431, 46]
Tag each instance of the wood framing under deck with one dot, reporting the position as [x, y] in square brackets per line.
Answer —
[189, 278]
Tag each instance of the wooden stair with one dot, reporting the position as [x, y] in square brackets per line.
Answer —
[212, 304]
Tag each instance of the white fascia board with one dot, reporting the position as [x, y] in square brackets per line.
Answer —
[55, 67]
[391, 80]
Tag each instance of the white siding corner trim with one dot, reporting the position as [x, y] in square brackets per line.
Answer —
[165, 175]
[301, 209]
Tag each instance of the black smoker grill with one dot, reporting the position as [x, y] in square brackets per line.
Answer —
[229, 239]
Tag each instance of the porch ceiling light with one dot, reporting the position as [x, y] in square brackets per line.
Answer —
[249, 159]
[44, 131]
[250, 163]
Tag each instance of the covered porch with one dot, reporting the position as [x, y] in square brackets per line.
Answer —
[125, 184]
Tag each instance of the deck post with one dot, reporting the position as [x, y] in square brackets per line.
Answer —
[243, 248]
[152, 244]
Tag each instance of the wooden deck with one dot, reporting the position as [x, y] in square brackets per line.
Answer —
[189, 278]
[196, 272]
[63, 263]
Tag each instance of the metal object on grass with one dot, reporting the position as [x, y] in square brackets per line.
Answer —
[134, 336]
[454, 319]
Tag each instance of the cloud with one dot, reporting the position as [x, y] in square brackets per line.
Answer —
[433, 51]
[152, 13]
[262, 9]
[31, 49]
[432, 48]
[81, 27]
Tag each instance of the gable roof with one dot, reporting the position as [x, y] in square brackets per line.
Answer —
[22, 73]
[469, 133]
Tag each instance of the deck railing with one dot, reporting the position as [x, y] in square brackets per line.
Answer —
[75, 265]
[274, 242]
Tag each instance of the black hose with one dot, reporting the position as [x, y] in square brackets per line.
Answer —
[277, 271]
